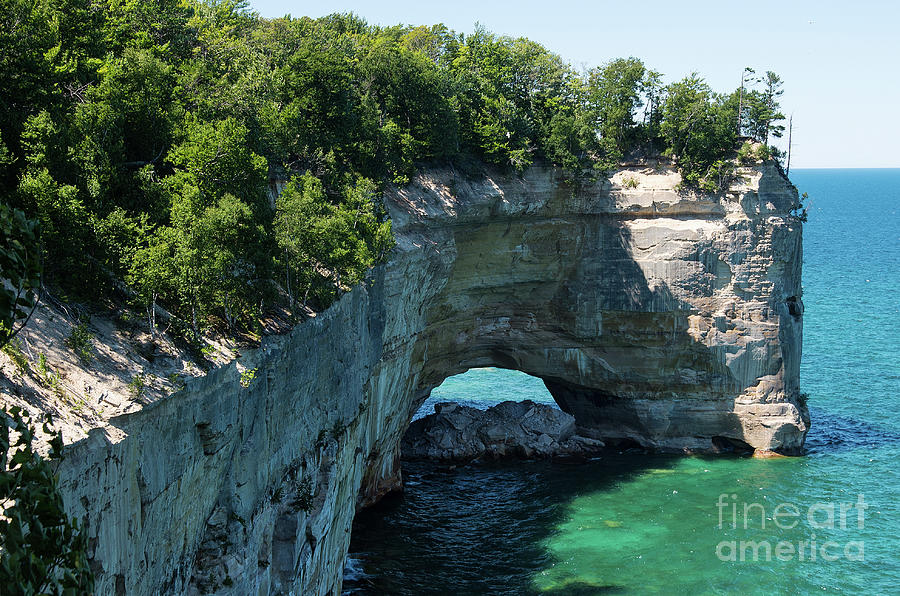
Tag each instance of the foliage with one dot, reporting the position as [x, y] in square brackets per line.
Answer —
[13, 349]
[136, 386]
[304, 499]
[145, 137]
[698, 127]
[20, 270]
[614, 92]
[760, 114]
[43, 552]
[48, 378]
[322, 241]
[247, 376]
[79, 341]
[801, 211]
[719, 176]
[177, 381]
[753, 152]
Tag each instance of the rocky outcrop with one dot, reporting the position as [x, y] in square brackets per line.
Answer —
[510, 429]
[669, 319]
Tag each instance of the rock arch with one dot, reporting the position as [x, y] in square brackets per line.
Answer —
[653, 316]
[670, 319]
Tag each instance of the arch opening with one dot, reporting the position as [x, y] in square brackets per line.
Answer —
[483, 387]
[494, 414]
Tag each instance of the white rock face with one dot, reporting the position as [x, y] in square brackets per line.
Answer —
[667, 319]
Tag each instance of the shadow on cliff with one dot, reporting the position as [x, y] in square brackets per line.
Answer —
[608, 332]
[649, 322]
[622, 284]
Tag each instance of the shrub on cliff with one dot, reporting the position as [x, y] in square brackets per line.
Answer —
[327, 246]
[753, 152]
[698, 127]
[41, 550]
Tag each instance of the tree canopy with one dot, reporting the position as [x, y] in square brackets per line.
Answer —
[147, 138]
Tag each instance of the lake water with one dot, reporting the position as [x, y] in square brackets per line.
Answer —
[650, 524]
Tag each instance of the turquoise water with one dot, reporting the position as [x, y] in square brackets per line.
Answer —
[639, 524]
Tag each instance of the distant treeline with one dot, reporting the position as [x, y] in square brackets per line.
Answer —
[142, 134]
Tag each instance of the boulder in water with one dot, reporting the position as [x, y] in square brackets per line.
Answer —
[508, 430]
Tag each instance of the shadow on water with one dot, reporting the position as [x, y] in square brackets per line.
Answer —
[485, 529]
[832, 433]
[481, 529]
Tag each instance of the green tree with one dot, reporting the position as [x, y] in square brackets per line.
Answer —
[614, 92]
[301, 210]
[229, 238]
[152, 272]
[321, 241]
[65, 224]
[43, 552]
[762, 110]
[411, 97]
[158, 26]
[654, 93]
[698, 127]
[218, 210]
[369, 232]
[126, 123]
[315, 109]
[20, 271]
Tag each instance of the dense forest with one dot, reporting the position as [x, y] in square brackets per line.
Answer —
[144, 135]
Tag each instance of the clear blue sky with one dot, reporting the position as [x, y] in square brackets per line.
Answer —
[838, 59]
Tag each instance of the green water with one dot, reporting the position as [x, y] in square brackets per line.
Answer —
[650, 524]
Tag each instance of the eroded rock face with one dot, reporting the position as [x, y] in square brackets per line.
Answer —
[671, 320]
[650, 315]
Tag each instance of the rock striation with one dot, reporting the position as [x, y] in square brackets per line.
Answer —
[652, 315]
[508, 430]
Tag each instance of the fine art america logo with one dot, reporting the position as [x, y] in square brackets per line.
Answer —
[824, 517]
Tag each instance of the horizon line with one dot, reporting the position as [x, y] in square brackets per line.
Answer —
[847, 168]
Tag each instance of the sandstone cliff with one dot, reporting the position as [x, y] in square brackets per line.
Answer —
[669, 319]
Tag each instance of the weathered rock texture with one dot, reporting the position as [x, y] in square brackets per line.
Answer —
[668, 319]
[508, 430]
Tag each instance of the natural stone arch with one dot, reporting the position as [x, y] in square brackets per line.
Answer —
[669, 318]
[650, 315]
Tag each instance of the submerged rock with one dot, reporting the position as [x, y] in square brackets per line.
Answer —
[508, 430]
